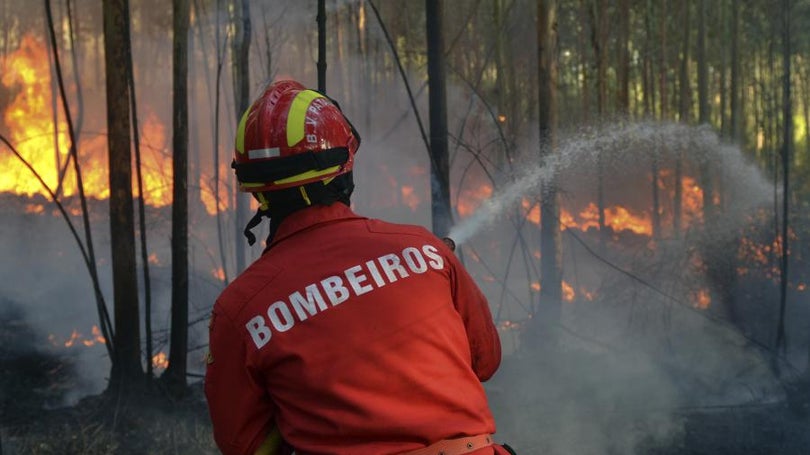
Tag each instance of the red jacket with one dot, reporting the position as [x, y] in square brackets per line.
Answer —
[354, 336]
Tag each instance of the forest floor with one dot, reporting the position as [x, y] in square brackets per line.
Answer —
[34, 382]
[100, 425]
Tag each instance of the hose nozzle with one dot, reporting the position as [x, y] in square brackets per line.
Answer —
[450, 243]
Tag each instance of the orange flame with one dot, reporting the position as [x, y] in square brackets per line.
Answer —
[160, 361]
[29, 120]
[77, 338]
[469, 199]
[409, 197]
[510, 325]
[568, 292]
[34, 208]
[702, 299]
[207, 195]
[46, 146]
[692, 201]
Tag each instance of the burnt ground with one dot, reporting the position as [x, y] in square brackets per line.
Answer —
[33, 381]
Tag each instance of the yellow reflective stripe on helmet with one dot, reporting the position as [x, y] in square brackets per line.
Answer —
[240, 133]
[307, 175]
[297, 116]
[264, 204]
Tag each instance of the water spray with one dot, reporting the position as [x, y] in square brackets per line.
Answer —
[627, 144]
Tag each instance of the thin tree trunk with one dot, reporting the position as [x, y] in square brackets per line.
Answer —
[623, 56]
[321, 19]
[703, 114]
[74, 57]
[220, 57]
[147, 280]
[684, 114]
[126, 369]
[55, 116]
[241, 93]
[787, 142]
[437, 100]
[175, 375]
[599, 33]
[87, 249]
[549, 311]
[584, 65]
[805, 84]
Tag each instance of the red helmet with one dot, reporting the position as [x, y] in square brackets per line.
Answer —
[292, 136]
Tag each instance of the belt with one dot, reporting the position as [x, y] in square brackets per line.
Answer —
[457, 446]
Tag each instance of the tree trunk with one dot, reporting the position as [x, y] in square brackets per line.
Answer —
[126, 366]
[175, 374]
[584, 63]
[648, 79]
[241, 93]
[684, 112]
[599, 31]
[321, 19]
[623, 56]
[549, 310]
[440, 169]
[787, 142]
[703, 114]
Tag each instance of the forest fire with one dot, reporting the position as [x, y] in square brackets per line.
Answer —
[617, 217]
[39, 131]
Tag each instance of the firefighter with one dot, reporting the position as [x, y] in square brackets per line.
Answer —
[349, 335]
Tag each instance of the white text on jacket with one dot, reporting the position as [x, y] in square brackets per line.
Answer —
[336, 289]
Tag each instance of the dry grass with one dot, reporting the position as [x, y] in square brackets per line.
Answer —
[146, 424]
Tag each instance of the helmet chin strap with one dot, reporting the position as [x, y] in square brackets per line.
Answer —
[285, 202]
[257, 218]
[261, 212]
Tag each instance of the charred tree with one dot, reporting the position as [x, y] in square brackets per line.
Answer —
[175, 375]
[549, 310]
[126, 364]
[241, 94]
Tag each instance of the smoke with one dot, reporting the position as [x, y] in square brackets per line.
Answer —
[636, 351]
